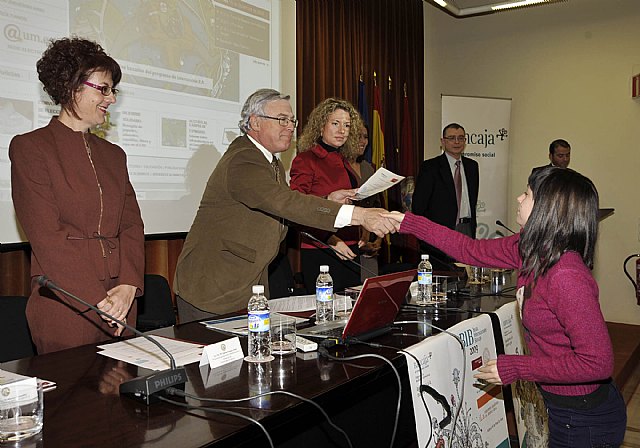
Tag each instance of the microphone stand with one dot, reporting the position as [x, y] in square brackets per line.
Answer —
[499, 223]
[327, 246]
[143, 388]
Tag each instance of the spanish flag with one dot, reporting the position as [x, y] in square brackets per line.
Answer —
[377, 140]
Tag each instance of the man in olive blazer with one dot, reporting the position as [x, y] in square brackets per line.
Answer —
[241, 219]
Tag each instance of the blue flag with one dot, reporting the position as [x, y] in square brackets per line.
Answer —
[363, 108]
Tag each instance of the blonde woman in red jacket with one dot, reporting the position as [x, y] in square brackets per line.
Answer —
[329, 140]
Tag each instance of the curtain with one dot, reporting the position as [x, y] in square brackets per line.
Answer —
[340, 40]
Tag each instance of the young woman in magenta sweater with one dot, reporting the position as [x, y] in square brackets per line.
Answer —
[571, 358]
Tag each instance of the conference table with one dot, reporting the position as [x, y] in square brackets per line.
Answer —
[360, 396]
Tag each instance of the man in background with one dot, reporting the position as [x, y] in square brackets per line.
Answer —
[559, 154]
[242, 217]
[446, 190]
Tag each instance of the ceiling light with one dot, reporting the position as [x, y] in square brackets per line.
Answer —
[441, 3]
[516, 4]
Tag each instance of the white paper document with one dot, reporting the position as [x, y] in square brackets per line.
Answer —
[297, 304]
[380, 181]
[234, 325]
[293, 304]
[143, 353]
[238, 324]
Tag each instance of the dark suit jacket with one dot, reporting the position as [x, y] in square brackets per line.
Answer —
[434, 196]
[537, 168]
[237, 230]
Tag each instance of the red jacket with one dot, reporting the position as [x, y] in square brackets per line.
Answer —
[320, 172]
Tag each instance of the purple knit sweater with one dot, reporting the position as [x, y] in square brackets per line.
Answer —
[568, 340]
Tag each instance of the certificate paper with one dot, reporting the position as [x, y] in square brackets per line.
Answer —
[380, 181]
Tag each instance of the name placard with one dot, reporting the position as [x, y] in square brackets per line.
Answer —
[222, 353]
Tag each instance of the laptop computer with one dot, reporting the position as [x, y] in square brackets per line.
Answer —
[373, 312]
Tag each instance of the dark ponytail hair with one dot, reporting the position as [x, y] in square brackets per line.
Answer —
[564, 218]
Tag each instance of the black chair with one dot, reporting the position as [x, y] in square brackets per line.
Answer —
[15, 338]
[155, 307]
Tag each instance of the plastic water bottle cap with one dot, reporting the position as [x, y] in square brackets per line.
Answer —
[324, 268]
[257, 289]
[425, 256]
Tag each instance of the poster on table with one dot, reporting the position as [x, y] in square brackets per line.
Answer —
[487, 124]
[478, 416]
[528, 405]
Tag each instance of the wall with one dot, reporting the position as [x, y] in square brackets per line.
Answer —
[568, 69]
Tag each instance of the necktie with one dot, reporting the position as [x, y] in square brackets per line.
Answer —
[457, 181]
[276, 168]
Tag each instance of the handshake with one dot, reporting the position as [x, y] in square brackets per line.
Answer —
[376, 220]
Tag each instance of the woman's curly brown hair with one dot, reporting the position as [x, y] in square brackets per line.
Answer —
[67, 63]
[317, 120]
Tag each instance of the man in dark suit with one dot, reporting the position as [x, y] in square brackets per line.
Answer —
[446, 190]
[242, 217]
[559, 154]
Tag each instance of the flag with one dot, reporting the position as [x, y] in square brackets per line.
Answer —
[391, 149]
[377, 144]
[390, 140]
[363, 108]
[407, 167]
[377, 134]
[407, 157]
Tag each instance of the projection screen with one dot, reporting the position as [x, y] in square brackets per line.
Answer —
[188, 66]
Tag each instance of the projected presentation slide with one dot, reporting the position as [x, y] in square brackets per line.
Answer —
[188, 66]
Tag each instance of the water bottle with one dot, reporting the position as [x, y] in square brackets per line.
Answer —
[425, 280]
[324, 296]
[258, 318]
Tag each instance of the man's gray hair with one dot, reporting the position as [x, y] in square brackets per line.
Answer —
[255, 106]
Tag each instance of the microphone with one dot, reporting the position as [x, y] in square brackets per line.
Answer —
[452, 267]
[499, 223]
[143, 388]
[313, 238]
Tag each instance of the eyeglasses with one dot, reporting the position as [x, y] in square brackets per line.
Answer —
[105, 90]
[455, 138]
[284, 121]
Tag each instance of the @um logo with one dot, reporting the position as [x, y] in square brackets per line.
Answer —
[12, 33]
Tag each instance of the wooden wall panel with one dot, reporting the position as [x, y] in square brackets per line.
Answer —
[15, 278]
[161, 258]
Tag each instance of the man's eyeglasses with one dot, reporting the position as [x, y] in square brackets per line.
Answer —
[105, 90]
[284, 121]
[455, 138]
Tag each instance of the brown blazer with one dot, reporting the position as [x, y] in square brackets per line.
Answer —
[56, 198]
[238, 229]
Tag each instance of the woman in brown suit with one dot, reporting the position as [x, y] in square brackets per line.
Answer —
[73, 198]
